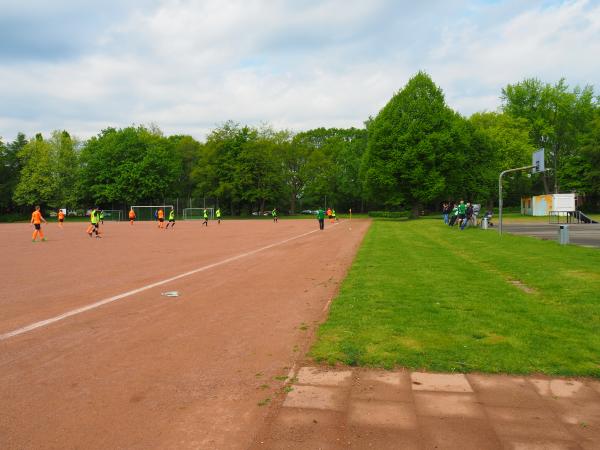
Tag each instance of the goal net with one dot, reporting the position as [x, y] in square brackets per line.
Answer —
[198, 213]
[113, 214]
[150, 212]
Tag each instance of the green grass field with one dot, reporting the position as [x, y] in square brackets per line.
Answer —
[422, 295]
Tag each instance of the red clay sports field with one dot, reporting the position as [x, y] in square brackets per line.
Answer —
[93, 356]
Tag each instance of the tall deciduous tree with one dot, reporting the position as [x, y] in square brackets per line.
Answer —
[36, 182]
[554, 112]
[187, 150]
[10, 169]
[65, 168]
[413, 147]
[131, 165]
[294, 156]
[331, 164]
[506, 143]
[587, 165]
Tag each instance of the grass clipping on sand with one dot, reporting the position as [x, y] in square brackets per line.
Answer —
[426, 296]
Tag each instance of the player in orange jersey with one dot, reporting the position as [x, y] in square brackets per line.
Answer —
[61, 218]
[161, 218]
[131, 216]
[36, 220]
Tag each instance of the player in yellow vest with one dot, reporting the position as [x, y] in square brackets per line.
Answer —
[94, 226]
[171, 219]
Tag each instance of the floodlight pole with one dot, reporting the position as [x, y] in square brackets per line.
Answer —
[500, 192]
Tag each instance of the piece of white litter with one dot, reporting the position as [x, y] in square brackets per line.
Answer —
[171, 294]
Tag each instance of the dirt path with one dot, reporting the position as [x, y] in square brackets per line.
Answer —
[151, 371]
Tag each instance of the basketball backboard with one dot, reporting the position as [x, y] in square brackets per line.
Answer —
[537, 161]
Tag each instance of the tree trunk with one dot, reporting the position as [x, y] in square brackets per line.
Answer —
[416, 211]
[293, 203]
[545, 180]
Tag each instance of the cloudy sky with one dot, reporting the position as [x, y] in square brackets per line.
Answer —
[188, 66]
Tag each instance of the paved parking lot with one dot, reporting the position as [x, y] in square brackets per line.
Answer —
[580, 234]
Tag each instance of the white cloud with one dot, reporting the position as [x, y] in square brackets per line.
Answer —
[188, 66]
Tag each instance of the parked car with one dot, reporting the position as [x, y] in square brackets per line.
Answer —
[307, 211]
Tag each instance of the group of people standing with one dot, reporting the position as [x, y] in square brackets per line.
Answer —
[460, 213]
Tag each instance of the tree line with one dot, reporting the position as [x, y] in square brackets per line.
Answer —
[415, 153]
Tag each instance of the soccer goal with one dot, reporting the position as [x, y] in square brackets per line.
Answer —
[197, 213]
[113, 214]
[150, 212]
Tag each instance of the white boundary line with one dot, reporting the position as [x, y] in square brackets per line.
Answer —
[105, 301]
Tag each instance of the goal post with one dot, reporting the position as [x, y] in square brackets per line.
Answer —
[150, 212]
[115, 215]
[197, 213]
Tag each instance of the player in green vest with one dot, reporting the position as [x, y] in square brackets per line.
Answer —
[321, 218]
[101, 217]
[171, 219]
[274, 214]
[205, 218]
[218, 214]
[454, 216]
[462, 214]
[333, 214]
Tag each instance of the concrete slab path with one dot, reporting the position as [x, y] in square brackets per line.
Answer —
[375, 409]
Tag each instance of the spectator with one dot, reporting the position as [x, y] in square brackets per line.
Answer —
[469, 216]
[445, 212]
[454, 215]
[462, 214]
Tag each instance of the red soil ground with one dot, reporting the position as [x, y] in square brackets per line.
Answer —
[149, 371]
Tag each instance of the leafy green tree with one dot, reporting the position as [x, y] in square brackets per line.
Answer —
[242, 167]
[319, 189]
[10, 169]
[413, 148]
[37, 183]
[188, 151]
[555, 113]
[258, 174]
[505, 143]
[293, 156]
[5, 178]
[348, 159]
[65, 162]
[332, 162]
[130, 164]
[216, 172]
[587, 165]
